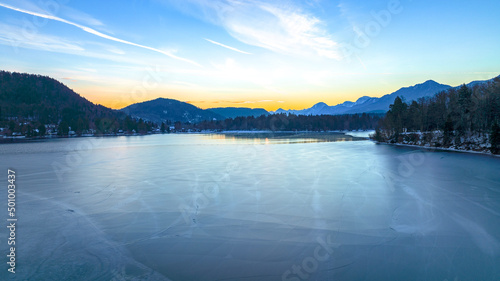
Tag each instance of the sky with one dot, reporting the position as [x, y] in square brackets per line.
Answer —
[258, 54]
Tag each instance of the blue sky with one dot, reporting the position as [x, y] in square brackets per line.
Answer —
[271, 54]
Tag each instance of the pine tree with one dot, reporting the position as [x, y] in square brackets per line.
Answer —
[162, 128]
[448, 131]
[378, 136]
[495, 138]
[397, 115]
[42, 130]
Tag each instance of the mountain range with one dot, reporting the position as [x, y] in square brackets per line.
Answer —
[367, 104]
[161, 110]
[164, 110]
[46, 100]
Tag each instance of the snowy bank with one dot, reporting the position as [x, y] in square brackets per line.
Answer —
[468, 142]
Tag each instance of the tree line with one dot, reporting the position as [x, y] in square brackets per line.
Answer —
[290, 122]
[456, 112]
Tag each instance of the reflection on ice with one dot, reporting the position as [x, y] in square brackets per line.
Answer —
[286, 137]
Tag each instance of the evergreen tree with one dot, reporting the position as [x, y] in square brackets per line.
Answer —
[12, 125]
[42, 130]
[465, 104]
[495, 138]
[397, 115]
[378, 136]
[447, 131]
[63, 128]
[162, 128]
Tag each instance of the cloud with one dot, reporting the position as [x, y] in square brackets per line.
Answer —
[282, 28]
[97, 33]
[228, 47]
[18, 37]
[69, 79]
[80, 16]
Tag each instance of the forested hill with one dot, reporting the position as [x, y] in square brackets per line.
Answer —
[41, 97]
[464, 118]
[40, 100]
[233, 112]
[163, 110]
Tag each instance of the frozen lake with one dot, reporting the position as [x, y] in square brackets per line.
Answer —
[209, 207]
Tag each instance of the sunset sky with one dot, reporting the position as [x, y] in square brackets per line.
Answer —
[269, 54]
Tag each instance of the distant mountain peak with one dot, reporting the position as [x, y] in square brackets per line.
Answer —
[429, 82]
[319, 104]
[424, 88]
[426, 84]
[363, 98]
[373, 105]
[160, 99]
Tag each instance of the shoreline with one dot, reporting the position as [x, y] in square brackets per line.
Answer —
[4, 140]
[294, 134]
[306, 135]
[443, 149]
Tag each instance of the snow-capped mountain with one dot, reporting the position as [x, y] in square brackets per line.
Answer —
[376, 105]
[426, 89]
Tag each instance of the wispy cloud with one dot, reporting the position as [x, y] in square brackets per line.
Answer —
[296, 31]
[69, 79]
[227, 47]
[282, 28]
[80, 16]
[15, 37]
[97, 33]
[102, 55]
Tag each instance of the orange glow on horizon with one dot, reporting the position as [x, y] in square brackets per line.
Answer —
[122, 95]
[118, 98]
[114, 101]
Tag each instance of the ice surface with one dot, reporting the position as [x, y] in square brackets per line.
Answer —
[193, 207]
